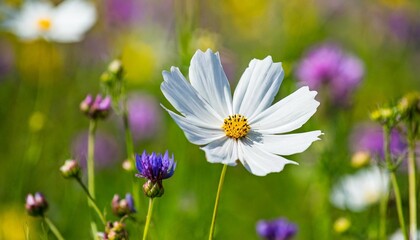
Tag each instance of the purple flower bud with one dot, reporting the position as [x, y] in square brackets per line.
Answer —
[122, 207]
[98, 108]
[328, 65]
[36, 204]
[278, 229]
[71, 168]
[154, 168]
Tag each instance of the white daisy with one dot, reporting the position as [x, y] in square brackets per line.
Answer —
[67, 22]
[358, 191]
[246, 127]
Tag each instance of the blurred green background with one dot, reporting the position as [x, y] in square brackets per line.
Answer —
[42, 84]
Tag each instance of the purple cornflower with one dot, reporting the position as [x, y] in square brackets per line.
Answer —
[329, 65]
[278, 229]
[122, 207]
[154, 168]
[96, 108]
[36, 204]
[369, 137]
[107, 151]
[144, 115]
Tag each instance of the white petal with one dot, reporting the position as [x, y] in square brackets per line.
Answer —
[187, 101]
[257, 87]
[71, 20]
[209, 79]
[223, 150]
[287, 144]
[288, 114]
[258, 161]
[195, 132]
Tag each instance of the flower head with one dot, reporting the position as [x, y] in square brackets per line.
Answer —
[154, 168]
[278, 229]
[244, 127]
[96, 108]
[71, 168]
[67, 22]
[356, 192]
[329, 65]
[122, 207]
[115, 231]
[36, 204]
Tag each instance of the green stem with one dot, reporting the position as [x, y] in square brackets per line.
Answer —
[216, 203]
[382, 213]
[91, 170]
[130, 152]
[148, 218]
[394, 181]
[412, 186]
[92, 201]
[53, 228]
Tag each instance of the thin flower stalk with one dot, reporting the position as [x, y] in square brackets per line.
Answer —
[394, 181]
[92, 201]
[148, 218]
[216, 203]
[412, 185]
[91, 170]
[53, 228]
[382, 216]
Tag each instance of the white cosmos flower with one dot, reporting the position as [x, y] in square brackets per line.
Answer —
[246, 127]
[356, 192]
[67, 22]
[398, 235]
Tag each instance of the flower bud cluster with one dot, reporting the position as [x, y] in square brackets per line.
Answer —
[122, 207]
[70, 169]
[36, 204]
[96, 108]
[115, 231]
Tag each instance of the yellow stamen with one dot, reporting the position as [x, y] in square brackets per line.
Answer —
[236, 126]
[44, 24]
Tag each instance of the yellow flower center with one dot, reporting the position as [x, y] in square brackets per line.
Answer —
[44, 24]
[236, 126]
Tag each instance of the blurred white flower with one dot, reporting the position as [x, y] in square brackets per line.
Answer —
[398, 235]
[65, 23]
[356, 192]
[245, 127]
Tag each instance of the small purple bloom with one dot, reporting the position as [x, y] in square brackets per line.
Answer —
[122, 207]
[107, 151]
[329, 65]
[369, 137]
[123, 13]
[144, 115]
[278, 229]
[96, 108]
[36, 204]
[154, 168]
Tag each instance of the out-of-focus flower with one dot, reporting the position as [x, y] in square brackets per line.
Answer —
[107, 151]
[115, 231]
[398, 235]
[70, 169]
[123, 13]
[15, 224]
[67, 22]
[278, 229]
[154, 168]
[409, 106]
[122, 207]
[144, 115]
[356, 192]
[245, 128]
[36, 204]
[341, 225]
[96, 108]
[369, 138]
[329, 65]
[128, 165]
[360, 159]
[36, 121]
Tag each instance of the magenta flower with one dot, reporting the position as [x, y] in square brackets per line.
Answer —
[36, 204]
[96, 108]
[329, 65]
[278, 229]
